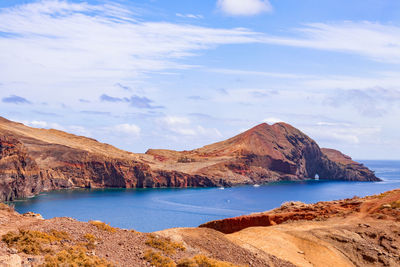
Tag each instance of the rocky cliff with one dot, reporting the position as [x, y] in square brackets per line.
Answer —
[34, 160]
[266, 153]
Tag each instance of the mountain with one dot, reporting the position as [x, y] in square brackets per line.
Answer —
[266, 153]
[34, 160]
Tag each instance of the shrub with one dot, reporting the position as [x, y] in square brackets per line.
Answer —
[395, 204]
[33, 242]
[75, 256]
[158, 260]
[91, 241]
[103, 226]
[204, 261]
[185, 160]
[164, 244]
[6, 207]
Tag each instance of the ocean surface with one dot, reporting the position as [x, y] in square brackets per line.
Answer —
[150, 210]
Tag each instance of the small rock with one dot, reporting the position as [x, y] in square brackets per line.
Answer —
[387, 206]
[301, 252]
[13, 251]
[33, 215]
[91, 253]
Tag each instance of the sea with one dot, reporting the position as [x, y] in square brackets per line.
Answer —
[149, 210]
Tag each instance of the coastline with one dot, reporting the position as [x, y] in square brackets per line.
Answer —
[372, 218]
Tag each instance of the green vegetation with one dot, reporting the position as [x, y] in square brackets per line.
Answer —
[164, 244]
[103, 226]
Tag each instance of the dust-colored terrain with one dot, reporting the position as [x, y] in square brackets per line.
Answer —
[34, 160]
[350, 232]
[118, 247]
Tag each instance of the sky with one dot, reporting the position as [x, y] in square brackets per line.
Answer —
[180, 74]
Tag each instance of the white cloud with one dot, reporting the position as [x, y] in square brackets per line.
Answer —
[374, 40]
[245, 95]
[272, 120]
[126, 128]
[333, 133]
[43, 124]
[74, 129]
[244, 7]
[82, 47]
[389, 80]
[370, 102]
[189, 16]
[259, 73]
[183, 126]
[175, 120]
[79, 130]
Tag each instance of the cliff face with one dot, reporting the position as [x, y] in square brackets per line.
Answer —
[19, 174]
[267, 153]
[34, 160]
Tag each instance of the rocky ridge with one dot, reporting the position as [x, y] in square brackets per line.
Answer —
[34, 160]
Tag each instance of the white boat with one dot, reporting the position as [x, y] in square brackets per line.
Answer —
[222, 188]
[256, 185]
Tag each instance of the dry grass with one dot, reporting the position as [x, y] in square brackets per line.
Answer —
[158, 260]
[204, 261]
[103, 226]
[395, 204]
[75, 256]
[164, 244]
[91, 241]
[41, 243]
[33, 242]
[6, 207]
[384, 194]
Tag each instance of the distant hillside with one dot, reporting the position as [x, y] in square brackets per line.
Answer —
[34, 160]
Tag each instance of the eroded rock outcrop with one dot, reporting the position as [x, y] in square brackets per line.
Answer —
[34, 160]
[19, 173]
[384, 206]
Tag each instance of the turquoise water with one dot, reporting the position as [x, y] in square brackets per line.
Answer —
[149, 210]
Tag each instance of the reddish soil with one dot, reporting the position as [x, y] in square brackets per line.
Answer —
[35, 160]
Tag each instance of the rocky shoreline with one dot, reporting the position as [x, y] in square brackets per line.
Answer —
[350, 232]
[35, 160]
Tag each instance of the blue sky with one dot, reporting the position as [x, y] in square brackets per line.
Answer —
[180, 74]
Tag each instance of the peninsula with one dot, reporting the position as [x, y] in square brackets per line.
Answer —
[34, 160]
